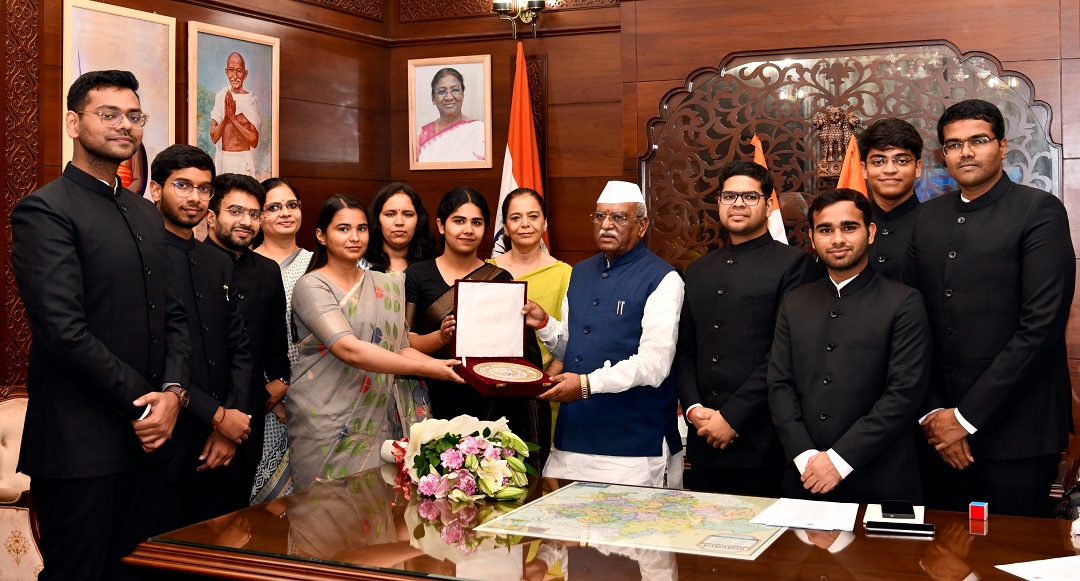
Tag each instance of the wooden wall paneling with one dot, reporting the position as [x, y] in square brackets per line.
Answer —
[326, 144]
[437, 22]
[682, 27]
[631, 96]
[290, 13]
[1070, 29]
[582, 69]
[570, 202]
[646, 107]
[587, 140]
[51, 97]
[1070, 108]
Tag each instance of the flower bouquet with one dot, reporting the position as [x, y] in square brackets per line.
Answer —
[464, 459]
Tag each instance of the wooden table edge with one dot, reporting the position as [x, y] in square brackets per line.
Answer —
[236, 565]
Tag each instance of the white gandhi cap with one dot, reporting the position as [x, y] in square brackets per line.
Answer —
[616, 192]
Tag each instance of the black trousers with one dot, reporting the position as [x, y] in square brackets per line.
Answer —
[88, 524]
[1019, 487]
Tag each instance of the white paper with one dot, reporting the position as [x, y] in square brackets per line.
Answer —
[489, 319]
[810, 514]
[1061, 568]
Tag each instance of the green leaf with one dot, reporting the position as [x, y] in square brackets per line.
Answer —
[382, 400]
[370, 397]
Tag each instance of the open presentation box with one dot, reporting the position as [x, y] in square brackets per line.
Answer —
[490, 339]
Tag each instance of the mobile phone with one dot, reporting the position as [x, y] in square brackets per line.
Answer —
[897, 509]
[900, 528]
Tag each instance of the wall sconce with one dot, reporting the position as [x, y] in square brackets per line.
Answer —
[525, 11]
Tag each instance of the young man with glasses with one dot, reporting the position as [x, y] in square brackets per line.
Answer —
[618, 420]
[891, 150]
[995, 263]
[109, 357]
[725, 335]
[212, 425]
[234, 217]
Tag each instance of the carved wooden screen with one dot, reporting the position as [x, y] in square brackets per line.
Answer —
[710, 120]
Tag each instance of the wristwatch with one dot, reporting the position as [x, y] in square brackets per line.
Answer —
[180, 393]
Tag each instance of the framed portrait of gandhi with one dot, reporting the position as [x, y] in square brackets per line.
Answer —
[450, 113]
[233, 98]
[104, 37]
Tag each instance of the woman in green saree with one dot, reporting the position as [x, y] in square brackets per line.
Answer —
[343, 402]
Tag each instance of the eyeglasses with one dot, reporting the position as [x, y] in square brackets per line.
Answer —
[239, 212]
[455, 91]
[234, 71]
[898, 161]
[275, 207]
[748, 198]
[619, 218]
[115, 119]
[955, 147]
[184, 189]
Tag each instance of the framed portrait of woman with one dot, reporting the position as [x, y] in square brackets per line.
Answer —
[450, 113]
[233, 98]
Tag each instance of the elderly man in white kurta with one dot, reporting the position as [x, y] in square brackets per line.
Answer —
[618, 421]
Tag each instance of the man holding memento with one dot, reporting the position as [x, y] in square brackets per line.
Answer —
[617, 423]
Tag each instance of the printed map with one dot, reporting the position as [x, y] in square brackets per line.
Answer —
[650, 518]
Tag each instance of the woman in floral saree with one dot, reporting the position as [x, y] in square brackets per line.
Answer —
[343, 402]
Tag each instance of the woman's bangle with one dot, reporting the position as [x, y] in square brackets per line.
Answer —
[585, 391]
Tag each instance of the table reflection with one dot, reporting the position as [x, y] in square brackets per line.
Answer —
[369, 522]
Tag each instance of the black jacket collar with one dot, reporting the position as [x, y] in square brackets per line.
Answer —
[905, 207]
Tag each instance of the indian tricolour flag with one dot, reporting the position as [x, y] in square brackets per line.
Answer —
[521, 166]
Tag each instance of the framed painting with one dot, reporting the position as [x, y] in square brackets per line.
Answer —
[233, 98]
[450, 112]
[103, 37]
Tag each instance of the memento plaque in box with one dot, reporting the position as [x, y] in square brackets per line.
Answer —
[490, 339]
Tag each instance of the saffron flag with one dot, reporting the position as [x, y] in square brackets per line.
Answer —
[521, 165]
[775, 218]
[851, 174]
